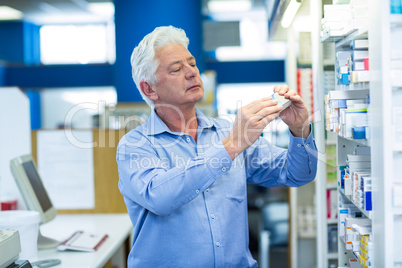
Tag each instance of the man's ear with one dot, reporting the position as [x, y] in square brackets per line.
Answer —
[146, 88]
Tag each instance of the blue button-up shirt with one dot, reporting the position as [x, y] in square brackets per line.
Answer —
[187, 200]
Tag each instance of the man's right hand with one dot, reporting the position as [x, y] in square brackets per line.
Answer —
[249, 123]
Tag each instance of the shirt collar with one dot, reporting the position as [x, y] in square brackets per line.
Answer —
[156, 126]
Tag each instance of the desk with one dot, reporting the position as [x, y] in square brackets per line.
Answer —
[117, 226]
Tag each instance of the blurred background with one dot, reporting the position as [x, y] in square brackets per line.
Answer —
[72, 59]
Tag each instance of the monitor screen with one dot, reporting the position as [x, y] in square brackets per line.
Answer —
[31, 187]
[37, 185]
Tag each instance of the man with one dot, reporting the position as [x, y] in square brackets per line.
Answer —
[183, 175]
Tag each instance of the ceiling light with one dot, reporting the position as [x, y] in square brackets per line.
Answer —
[229, 5]
[9, 13]
[105, 9]
[290, 13]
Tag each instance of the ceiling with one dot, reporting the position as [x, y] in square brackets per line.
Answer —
[57, 11]
[77, 11]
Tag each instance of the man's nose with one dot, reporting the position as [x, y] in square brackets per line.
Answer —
[190, 71]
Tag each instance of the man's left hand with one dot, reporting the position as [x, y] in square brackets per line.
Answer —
[296, 115]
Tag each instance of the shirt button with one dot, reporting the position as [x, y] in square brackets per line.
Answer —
[207, 190]
[298, 145]
[224, 169]
[307, 145]
[213, 216]
[188, 139]
[217, 244]
[197, 191]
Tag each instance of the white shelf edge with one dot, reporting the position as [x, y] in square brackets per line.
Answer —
[306, 236]
[396, 20]
[329, 62]
[332, 186]
[335, 38]
[332, 256]
[348, 94]
[397, 211]
[364, 142]
[332, 221]
[361, 33]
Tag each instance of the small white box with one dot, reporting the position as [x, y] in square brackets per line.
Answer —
[358, 66]
[360, 76]
[360, 54]
[359, 44]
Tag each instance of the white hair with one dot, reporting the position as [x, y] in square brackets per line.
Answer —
[143, 62]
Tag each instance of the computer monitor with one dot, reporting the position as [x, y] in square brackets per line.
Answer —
[34, 193]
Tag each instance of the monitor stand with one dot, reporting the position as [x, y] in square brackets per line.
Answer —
[46, 242]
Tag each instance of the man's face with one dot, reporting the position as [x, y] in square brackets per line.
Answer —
[179, 82]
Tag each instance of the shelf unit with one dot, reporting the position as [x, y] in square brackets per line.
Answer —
[323, 256]
[387, 226]
[385, 35]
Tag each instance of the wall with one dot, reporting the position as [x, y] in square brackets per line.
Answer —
[248, 71]
[21, 44]
[12, 42]
[15, 138]
[60, 76]
[2, 74]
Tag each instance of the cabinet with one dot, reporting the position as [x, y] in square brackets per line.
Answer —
[384, 33]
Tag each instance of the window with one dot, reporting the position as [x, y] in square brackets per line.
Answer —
[250, 42]
[77, 44]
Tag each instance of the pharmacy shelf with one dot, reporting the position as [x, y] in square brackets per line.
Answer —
[365, 212]
[384, 88]
[364, 142]
[323, 257]
[361, 33]
[328, 38]
[331, 38]
[343, 40]
[347, 146]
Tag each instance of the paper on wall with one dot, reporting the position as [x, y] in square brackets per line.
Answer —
[66, 168]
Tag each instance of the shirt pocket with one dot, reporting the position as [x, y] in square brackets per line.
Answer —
[234, 184]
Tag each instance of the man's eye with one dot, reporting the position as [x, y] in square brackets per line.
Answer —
[175, 71]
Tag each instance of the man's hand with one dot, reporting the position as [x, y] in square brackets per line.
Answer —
[249, 123]
[296, 115]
